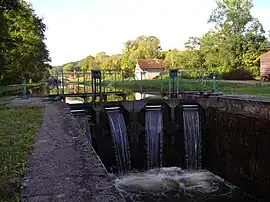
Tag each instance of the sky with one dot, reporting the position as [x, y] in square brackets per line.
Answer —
[78, 28]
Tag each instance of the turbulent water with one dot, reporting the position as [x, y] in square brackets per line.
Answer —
[154, 138]
[120, 140]
[175, 184]
[192, 135]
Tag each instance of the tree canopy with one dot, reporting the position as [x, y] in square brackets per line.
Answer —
[23, 52]
[230, 50]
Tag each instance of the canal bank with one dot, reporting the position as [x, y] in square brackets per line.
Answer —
[235, 146]
[63, 166]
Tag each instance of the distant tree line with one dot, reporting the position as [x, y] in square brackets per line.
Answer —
[23, 53]
[231, 50]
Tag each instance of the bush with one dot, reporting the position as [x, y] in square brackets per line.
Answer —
[238, 74]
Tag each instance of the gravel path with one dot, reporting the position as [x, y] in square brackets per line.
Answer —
[63, 166]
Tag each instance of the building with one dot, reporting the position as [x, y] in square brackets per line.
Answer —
[148, 69]
[265, 66]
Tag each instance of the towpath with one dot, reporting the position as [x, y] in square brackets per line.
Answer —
[63, 166]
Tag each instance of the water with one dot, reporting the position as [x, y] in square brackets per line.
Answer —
[120, 140]
[154, 137]
[175, 184]
[192, 133]
[140, 96]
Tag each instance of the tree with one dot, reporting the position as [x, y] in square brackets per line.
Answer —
[100, 59]
[241, 37]
[25, 54]
[5, 6]
[143, 47]
[88, 63]
[68, 67]
[211, 45]
[173, 59]
[192, 58]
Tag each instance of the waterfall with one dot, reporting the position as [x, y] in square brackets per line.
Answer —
[119, 138]
[192, 134]
[154, 136]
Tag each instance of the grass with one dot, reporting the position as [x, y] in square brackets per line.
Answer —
[6, 99]
[18, 129]
[16, 87]
[226, 87]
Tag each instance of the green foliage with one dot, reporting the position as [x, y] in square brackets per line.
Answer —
[143, 47]
[173, 58]
[197, 85]
[10, 89]
[5, 100]
[18, 129]
[234, 47]
[23, 51]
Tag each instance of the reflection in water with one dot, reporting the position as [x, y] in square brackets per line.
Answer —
[74, 100]
[74, 89]
[175, 184]
[140, 96]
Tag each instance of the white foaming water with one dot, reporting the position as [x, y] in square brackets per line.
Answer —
[165, 179]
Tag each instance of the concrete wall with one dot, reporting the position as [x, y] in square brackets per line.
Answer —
[240, 105]
[237, 143]
[149, 73]
[138, 73]
[265, 66]
[152, 73]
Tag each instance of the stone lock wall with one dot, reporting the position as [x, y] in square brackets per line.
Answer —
[237, 143]
[134, 114]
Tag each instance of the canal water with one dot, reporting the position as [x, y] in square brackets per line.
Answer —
[174, 184]
[45, 90]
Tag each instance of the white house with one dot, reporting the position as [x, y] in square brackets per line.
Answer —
[148, 69]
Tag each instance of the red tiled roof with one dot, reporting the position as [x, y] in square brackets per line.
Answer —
[151, 64]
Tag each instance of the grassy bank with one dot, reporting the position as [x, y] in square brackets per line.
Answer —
[5, 90]
[18, 129]
[6, 99]
[228, 87]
